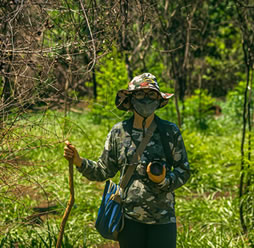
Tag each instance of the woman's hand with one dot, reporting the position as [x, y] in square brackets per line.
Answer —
[70, 152]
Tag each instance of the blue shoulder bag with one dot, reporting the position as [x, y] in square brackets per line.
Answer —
[110, 219]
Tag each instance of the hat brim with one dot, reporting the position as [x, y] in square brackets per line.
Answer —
[123, 98]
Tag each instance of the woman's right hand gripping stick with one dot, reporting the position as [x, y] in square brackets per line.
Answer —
[70, 152]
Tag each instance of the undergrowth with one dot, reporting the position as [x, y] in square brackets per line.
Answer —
[206, 207]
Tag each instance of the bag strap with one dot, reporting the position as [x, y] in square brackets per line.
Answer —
[164, 141]
[136, 157]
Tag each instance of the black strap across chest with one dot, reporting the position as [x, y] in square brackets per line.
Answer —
[136, 157]
[157, 123]
[161, 127]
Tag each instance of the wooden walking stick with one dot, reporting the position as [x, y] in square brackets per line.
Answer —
[69, 205]
[71, 184]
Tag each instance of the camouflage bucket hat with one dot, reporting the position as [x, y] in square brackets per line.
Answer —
[143, 81]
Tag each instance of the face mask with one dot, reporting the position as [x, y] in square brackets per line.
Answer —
[145, 107]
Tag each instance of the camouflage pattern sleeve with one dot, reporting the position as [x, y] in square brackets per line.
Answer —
[181, 169]
[106, 167]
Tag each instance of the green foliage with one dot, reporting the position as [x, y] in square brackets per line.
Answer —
[46, 182]
[209, 221]
[35, 171]
[61, 31]
[207, 206]
[198, 109]
[235, 100]
[211, 157]
[110, 77]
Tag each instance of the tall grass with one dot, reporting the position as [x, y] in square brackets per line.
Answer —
[207, 206]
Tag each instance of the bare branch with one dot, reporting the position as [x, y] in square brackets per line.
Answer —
[91, 34]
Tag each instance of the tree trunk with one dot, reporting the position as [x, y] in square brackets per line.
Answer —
[94, 84]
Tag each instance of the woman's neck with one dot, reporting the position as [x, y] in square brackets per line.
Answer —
[138, 120]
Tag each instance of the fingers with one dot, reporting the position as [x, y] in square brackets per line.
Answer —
[70, 146]
[164, 171]
[148, 168]
[69, 150]
[68, 153]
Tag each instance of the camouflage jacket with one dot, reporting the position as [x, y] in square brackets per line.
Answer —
[143, 200]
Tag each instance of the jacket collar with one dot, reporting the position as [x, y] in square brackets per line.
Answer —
[128, 124]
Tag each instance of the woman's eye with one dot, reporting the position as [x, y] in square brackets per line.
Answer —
[140, 94]
[152, 95]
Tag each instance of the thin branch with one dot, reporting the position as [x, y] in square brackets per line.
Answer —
[187, 45]
[91, 34]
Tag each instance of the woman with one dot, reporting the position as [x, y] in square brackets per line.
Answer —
[149, 198]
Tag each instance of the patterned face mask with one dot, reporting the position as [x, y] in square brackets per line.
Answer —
[145, 107]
